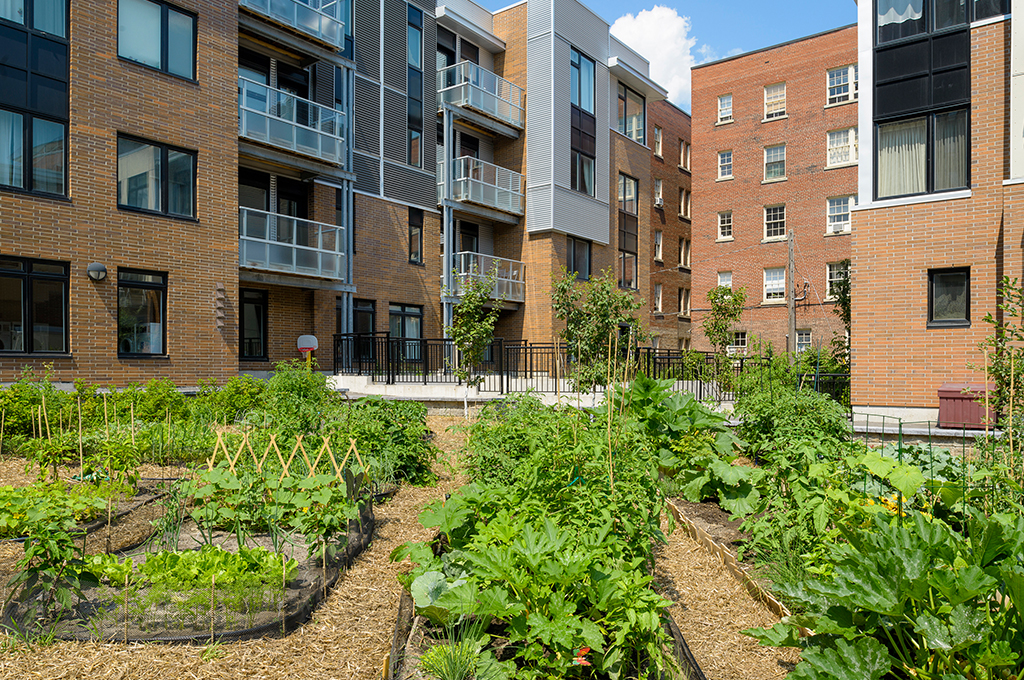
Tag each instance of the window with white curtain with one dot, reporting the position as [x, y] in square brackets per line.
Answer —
[842, 146]
[725, 108]
[32, 153]
[923, 155]
[775, 283]
[775, 101]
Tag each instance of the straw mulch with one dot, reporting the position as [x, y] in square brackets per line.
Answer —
[711, 608]
[349, 636]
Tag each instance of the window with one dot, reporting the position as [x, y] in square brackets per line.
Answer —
[683, 344]
[739, 341]
[631, 114]
[684, 301]
[406, 321]
[775, 221]
[254, 324]
[364, 318]
[837, 272]
[141, 312]
[46, 16]
[657, 193]
[684, 208]
[658, 234]
[414, 50]
[627, 231]
[906, 18]
[579, 258]
[775, 283]
[724, 164]
[949, 297]
[684, 155]
[581, 81]
[725, 108]
[657, 297]
[725, 224]
[725, 279]
[839, 214]
[842, 146]
[684, 253]
[157, 35]
[416, 235]
[842, 84]
[657, 140]
[803, 340]
[775, 101]
[923, 155]
[775, 162]
[43, 169]
[33, 305]
[155, 178]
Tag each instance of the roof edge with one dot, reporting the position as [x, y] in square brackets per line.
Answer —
[772, 47]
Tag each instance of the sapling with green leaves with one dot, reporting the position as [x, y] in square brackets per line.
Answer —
[472, 327]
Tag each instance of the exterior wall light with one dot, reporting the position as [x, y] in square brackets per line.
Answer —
[96, 271]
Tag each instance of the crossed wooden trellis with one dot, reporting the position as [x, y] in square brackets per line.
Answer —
[311, 466]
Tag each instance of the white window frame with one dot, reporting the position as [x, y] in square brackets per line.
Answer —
[775, 101]
[842, 147]
[657, 141]
[775, 221]
[684, 253]
[684, 154]
[657, 189]
[804, 338]
[774, 155]
[774, 284]
[836, 207]
[658, 288]
[739, 343]
[725, 108]
[725, 279]
[685, 302]
[725, 164]
[684, 208]
[658, 237]
[724, 221]
[832, 270]
[838, 78]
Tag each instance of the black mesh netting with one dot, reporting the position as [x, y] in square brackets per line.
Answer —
[235, 612]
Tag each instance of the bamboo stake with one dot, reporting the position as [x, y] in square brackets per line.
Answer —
[125, 607]
[324, 543]
[280, 605]
[986, 395]
[81, 455]
[3, 420]
[213, 585]
[133, 423]
[1012, 396]
[611, 469]
[46, 415]
[106, 420]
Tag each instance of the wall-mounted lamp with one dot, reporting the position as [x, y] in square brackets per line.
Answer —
[96, 271]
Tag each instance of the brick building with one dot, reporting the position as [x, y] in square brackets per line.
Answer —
[669, 294]
[941, 104]
[775, 154]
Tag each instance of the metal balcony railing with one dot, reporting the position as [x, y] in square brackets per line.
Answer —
[282, 119]
[288, 244]
[320, 19]
[469, 85]
[483, 183]
[509, 279]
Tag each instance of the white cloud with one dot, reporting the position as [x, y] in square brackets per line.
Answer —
[662, 36]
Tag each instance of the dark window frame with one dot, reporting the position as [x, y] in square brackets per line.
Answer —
[929, 171]
[27, 276]
[164, 180]
[414, 122]
[264, 302]
[572, 263]
[629, 231]
[416, 234]
[582, 60]
[28, 157]
[164, 42]
[623, 99]
[949, 323]
[163, 287]
[970, 16]
[29, 8]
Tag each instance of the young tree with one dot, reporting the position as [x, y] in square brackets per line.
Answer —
[841, 292]
[594, 311]
[472, 327]
[726, 310]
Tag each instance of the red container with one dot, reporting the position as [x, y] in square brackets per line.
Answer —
[962, 405]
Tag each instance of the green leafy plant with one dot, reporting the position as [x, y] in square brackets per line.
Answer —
[472, 326]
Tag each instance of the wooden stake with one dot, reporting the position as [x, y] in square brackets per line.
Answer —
[47, 417]
[280, 606]
[81, 455]
[133, 423]
[325, 568]
[986, 396]
[106, 420]
[213, 585]
[1012, 396]
[3, 421]
[125, 605]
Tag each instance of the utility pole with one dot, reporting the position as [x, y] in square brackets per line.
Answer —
[791, 301]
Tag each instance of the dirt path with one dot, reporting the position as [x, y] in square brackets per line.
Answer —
[349, 636]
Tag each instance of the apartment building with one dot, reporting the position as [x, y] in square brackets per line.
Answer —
[671, 249]
[943, 105]
[775, 171]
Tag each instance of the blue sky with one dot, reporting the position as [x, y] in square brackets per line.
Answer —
[676, 35]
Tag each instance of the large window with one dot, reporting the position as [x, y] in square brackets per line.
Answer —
[157, 35]
[584, 124]
[628, 225]
[725, 108]
[775, 162]
[923, 155]
[631, 114]
[724, 164]
[949, 297]
[581, 81]
[842, 146]
[406, 321]
[657, 142]
[141, 312]
[156, 178]
[579, 258]
[416, 235]
[842, 84]
[254, 324]
[414, 48]
[775, 101]
[46, 16]
[775, 221]
[33, 305]
[906, 18]
[42, 169]
[774, 283]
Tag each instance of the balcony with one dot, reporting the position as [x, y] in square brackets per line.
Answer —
[317, 18]
[483, 183]
[510, 276]
[291, 245]
[476, 88]
[283, 120]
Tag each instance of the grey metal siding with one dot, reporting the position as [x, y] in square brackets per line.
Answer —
[581, 27]
[409, 185]
[580, 215]
[366, 37]
[366, 115]
[396, 59]
[562, 118]
[323, 90]
[396, 125]
[429, 92]
[367, 171]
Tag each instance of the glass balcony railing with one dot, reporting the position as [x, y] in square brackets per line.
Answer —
[509, 277]
[280, 118]
[483, 183]
[320, 19]
[288, 244]
[476, 88]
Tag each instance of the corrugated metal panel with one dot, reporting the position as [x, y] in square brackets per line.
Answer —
[580, 215]
[603, 104]
[429, 92]
[367, 171]
[366, 116]
[581, 27]
[486, 244]
[539, 114]
[538, 208]
[396, 124]
[428, 8]
[396, 58]
[366, 37]
[323, 89]
[406, 184]
[562, 125]
[486, 150]
[538, 18]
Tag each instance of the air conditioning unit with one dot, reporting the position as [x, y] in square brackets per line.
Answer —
[733, 350]
[659, 203]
